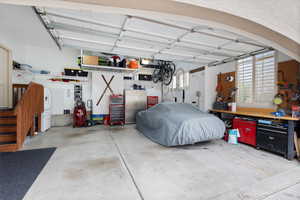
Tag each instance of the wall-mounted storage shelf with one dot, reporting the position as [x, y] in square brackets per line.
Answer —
[107, 68]
[49, 76]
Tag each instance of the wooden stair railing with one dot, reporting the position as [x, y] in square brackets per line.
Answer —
[30, 105]
[15, 124]
[18, 91]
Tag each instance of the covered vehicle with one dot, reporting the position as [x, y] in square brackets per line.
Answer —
[173, 124]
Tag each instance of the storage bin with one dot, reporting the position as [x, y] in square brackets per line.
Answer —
[70, 72]
[82, 73]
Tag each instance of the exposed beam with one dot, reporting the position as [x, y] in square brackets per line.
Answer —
[197, 70]
[122, 31]
[45, 26]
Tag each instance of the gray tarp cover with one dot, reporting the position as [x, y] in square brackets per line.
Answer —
[172, 124]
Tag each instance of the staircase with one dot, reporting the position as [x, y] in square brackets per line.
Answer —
[17, 123]
[8, 131]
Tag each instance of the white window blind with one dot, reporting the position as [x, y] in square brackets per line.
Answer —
[245, 80]
[256, 79]
[264, 77]
[182, 80]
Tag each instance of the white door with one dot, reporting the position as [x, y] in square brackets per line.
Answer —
[197, 89]
[5, 79]
[47, 99]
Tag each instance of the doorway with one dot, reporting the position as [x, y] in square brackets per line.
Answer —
[5, 78]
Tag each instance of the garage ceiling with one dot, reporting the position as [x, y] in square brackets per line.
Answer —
[145, 37]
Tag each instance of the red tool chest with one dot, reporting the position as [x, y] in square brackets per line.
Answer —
[152, 101]
[116, 110]
[247, 131]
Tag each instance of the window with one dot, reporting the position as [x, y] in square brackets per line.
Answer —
[256, 80]
[245, 80]
[181, 80]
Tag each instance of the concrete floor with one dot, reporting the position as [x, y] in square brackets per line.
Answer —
[119, 164]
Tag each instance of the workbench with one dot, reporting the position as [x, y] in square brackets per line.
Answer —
[256, 113]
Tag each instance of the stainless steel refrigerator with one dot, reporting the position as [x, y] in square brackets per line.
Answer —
[135, 101]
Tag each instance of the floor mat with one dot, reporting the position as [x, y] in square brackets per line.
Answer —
[18, 170]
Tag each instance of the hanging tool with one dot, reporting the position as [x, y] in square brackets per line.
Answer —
[108, 84]
[107, 87]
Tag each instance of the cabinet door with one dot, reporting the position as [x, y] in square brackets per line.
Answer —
[272, 141]
[247, 134]
[247, 131]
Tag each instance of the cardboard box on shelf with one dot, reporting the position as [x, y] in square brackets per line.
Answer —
[90, 60]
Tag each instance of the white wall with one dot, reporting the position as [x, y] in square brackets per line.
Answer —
[118, 85]
[205, 82]
[24, 34]
[211, 81]
[281, 57]
[195, 84]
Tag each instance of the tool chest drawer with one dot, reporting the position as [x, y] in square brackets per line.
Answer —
[247, 130]
[272, 139]
[116, 110]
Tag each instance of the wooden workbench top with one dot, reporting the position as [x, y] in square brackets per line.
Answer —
[256, 113]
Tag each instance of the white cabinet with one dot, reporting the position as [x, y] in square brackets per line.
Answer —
[46, 121]
[62, 98]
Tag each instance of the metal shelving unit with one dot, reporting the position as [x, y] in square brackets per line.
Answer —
[107, 68]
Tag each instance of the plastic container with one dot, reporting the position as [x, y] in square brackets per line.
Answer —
[133, 64]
